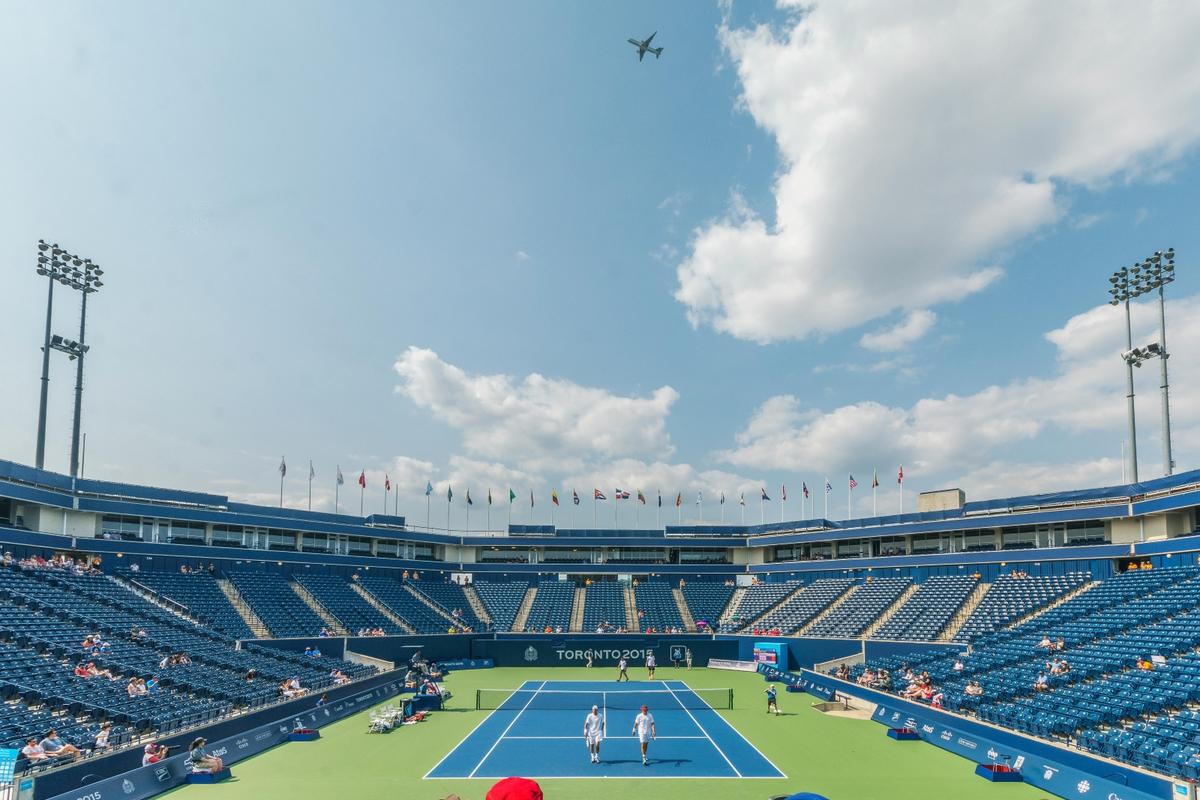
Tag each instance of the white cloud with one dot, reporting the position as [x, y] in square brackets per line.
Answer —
[919, 139]
[536, 421]
[963, 440]
[899, 336]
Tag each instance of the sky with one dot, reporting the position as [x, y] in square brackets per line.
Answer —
[481, 245]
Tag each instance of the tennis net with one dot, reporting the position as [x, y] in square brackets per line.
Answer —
[584, 699]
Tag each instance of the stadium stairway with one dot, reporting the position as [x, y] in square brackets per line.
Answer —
[578, 604]
[441, 612]
[735, 604]
[890, 611]
[329, 619]
[381, 608]
[526, 606]
[964, 612]
[632, 624]
[685, 613]
[477, 605]
[162, 601]
[252, 620]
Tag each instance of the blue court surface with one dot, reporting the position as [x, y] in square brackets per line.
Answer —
[537, 731]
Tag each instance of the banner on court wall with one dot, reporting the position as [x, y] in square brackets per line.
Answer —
[739, 666]
[144, 782]
[813, 685]
[466, 663]
[772, 653]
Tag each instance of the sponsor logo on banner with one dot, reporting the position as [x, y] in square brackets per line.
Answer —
[258, 737]
[1048, 771]
[927, 729]
[1083, 787]
[1021, 760]
[967, 743]
[531, 653]
[127, 786]
[947, 736]
[992, 754]
[242, 744]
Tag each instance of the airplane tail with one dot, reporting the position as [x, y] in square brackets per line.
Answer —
[657, 52]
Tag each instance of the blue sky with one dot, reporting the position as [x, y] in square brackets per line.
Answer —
[353, 233]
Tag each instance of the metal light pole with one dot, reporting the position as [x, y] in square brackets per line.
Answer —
[49, 264]
[1121, 291]
[84, 276]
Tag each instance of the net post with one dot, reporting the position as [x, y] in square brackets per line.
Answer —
[478, 700]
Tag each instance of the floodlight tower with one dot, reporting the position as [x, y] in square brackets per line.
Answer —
[1123, 288]
[82, 275]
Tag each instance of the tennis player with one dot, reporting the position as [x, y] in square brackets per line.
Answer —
[593, 733]
[643, 727]
[771, 704]
[622, 665]
[650, 664]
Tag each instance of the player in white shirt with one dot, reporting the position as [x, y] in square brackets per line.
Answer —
[622, 665]
[650, 664]
[643, 726]
[593, 733]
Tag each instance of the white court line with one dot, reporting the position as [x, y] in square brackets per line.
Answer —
[701, 727]
[464, 739]
[743, 738]
[505, 731]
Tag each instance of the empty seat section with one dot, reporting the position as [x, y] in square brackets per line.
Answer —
[604, 603]
[803, 607]
[551, 606]
[275, 602]
[199, 594]
[757, 599]
[347, 606]
[930, 609]
[502, 601]
[861, 609]
[656, 606]
[405, 605]
[450, 597]
[706, 600]
[1010, 598]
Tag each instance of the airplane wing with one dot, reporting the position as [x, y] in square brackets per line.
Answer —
[635, 43]
[641, 53]
[651, 39]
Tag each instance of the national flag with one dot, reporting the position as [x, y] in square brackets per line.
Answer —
[620, 494]
[449, 494]
[362, 479]
[489, 496]
[312, 473]
[764, 494]
[679, 500]
[660, 498]
[722, 498]
[387, 483]
[598, 495]
[511, 496]
[699, 499]
[783, 493]
[874, 478]
[531, 498]
[470, 502]
[575, 497]
[742, 499]
[282, 467]
[853, 483]
[804, 488]
[641, 497]
[340, 480]
[554, 496]
[428, 488]
[828, 486]
[900, 477]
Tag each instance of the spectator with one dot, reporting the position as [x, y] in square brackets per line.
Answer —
[1046, 643]
[153, 753]
[1042, 683]
[54, 746]
[843, 672]
[973, 689]
[958, 665]
[201, 760]
[33, 752]
[101, 740]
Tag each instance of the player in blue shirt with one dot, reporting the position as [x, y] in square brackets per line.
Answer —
[771, 704]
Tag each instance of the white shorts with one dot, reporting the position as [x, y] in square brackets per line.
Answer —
[594, 738]
[644, 737]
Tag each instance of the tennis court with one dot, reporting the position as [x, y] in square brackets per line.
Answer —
[537, 731]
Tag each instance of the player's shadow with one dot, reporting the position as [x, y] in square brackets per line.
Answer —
[678, 762]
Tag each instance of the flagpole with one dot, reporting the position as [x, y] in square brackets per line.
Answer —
[722, 511]
[782, 503]
[468, 517]
[849, 494]
[335, 496]
[874, 512]
[700, 506]
[825, 489]
[447, 510]
[510, 502]
[489, 509]
[616, 502]
[742, 503]
[310, 477]
[282, 473]
[362, 492]
[428, 524]
[762, 509]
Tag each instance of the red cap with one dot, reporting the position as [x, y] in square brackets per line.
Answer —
[515, 789]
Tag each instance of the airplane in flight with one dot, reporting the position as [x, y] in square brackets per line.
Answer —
[644, 47]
